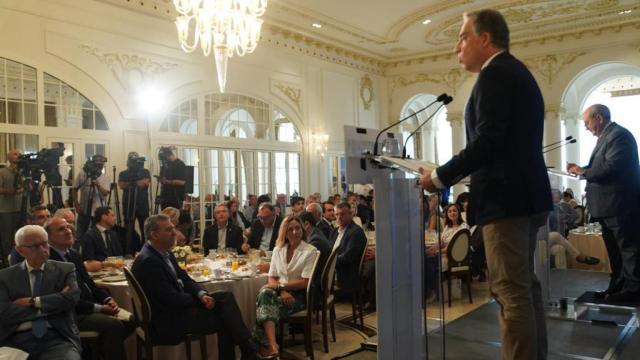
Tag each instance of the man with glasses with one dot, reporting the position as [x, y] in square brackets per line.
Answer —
[10, 204]
[37, 299]
[264, 229]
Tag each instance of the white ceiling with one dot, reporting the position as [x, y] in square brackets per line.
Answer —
[392, 30]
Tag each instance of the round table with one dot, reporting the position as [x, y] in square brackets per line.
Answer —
[245, 291]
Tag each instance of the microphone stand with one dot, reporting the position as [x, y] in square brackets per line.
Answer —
[561, 145]
[404, 147]
[558, 142]
[440, 98]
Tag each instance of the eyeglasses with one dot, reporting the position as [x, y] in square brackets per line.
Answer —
[43, 245]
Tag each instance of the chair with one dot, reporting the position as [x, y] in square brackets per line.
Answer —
[304, 317]
[356, 295]
[459, 260]
[89, 339]
[328, 299]
[142, 317]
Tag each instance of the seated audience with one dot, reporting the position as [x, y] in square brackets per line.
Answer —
[281, 205]
[297, 205]
[328, 216]
[185, 226]
[179, 305]
[223, 234]
[559, 246]
[349, 241]
[95, 310]
[237, 217]
[463, 204]
[174, 215]
[36, 316]
[38, 215]
[316, 210]
[101, 242]
[250, 208]
[289, 273]
[316, 238]
[264, 230]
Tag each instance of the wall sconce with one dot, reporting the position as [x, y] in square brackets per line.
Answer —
[320, 142]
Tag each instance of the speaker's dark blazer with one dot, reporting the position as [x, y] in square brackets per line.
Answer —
[350, 251]
[93, 247]
[325, 227]
[504, 120]
[56, 306]
[257, 229]
[171, 306]
[234, 237]
[613, 174]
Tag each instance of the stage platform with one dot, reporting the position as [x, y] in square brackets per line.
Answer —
[600, 332]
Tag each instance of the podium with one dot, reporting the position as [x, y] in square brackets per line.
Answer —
[399, 244]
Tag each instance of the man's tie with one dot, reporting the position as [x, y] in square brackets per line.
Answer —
[107, 240]
[39, 325]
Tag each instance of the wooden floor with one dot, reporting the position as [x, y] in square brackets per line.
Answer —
[349, 338]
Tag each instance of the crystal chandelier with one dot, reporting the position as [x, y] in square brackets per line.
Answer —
[224, 26]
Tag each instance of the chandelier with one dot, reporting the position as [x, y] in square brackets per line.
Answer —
[224, 26]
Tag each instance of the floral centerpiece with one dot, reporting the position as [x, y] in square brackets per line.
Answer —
[181, 253]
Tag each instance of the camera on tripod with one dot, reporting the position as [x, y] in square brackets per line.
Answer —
[135, 165]
[93, 167]
[45, 161]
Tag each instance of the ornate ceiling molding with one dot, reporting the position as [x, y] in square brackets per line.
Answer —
[289, 93]
[122, 65]
[549, 66]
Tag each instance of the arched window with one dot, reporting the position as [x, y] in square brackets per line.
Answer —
[65, 107]
[18, 99]
[237, 123]
[285, 130]
[183, 119]
[433, 142]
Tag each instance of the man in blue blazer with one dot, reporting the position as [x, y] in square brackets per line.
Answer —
[180, 306]
[37, 299]
[101, 241]
[504, 120]
[264, 230]
[613, 188]
[349, 240]
[223, 233]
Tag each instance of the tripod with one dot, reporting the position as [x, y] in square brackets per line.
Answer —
[159, 178]
[84, 219]
[134, 211]
[113, 188]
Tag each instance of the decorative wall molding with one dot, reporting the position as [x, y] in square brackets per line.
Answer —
[549, 66]
[122, 65]
[451, 78]
[289, 93]
[366, 91]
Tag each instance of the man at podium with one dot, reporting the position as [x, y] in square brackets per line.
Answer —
[504, 121]
[613, 187]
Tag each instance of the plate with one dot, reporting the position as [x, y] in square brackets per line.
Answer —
[201, 279]
[114, 278]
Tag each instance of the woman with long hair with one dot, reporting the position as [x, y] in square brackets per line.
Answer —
[291, 267]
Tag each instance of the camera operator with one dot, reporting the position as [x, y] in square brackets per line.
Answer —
[173, 179]
[10, 204]
[134, 182]
[93, 185]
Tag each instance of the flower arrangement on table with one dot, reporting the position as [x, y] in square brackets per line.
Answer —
[181, 252]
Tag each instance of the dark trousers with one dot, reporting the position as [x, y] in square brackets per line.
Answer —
[52, 346]
[112, 331]
[134, 244]
[224, 319]
[622, 243]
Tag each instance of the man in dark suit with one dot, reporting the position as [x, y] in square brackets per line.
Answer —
[328, 217]
[264, 230]
[101, 241]
[223, 233]
[613, 188]
[37, 298]
[95, 310]
[316, 210]
[316, 238]
[504, 122]
[349, 241]
[179, 305]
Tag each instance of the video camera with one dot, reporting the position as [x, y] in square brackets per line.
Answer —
[164, 153]
[93, 167]
[136, 162]
[45, 161]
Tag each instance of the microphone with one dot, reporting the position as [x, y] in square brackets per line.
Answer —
[440, 98]
[558, 142]
[561, 145]
[446, 101]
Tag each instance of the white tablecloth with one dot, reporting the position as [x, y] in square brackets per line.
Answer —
[245, 291]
